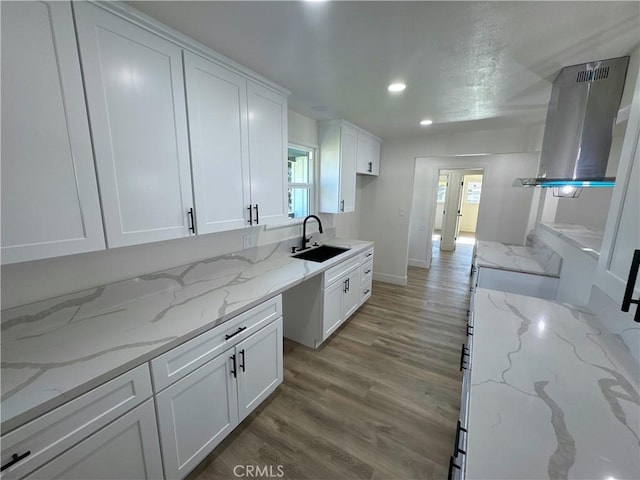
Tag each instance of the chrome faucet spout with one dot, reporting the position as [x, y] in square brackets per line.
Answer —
[305, 240]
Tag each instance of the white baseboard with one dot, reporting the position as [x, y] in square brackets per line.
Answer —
[418, 263]
[386, 278]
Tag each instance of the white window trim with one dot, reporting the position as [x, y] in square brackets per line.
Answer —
[313, 176]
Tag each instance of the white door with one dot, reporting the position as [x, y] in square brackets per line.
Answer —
[622, 233]
[348, 152]
[135, 93]
[259, 367]
[127, 448]
[196, 413]
[268, 154]
[50, 204]
[452, 206]
[218, 134]
[351, 298]
[332, 307]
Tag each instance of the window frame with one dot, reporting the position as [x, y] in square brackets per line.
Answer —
[310, 185]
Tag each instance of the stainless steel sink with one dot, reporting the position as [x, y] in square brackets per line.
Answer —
[321, 253]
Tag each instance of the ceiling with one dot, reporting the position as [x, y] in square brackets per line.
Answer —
[467, 65]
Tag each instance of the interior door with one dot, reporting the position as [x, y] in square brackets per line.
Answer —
[451, 220]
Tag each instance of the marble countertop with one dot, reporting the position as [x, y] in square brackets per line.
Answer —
[553, 395]
[57, 349]
[586, 239]
[517, 258]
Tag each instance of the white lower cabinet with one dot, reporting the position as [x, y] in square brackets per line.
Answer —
[197, 412]
[314, 309]
[347, 298]
[125, 449]
[260, 370]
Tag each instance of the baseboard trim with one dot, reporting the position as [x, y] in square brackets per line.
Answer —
[386, 278]
[418, 263]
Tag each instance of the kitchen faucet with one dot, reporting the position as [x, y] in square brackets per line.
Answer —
[304, 231]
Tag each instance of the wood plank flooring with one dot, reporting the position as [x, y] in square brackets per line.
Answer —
[379, 400]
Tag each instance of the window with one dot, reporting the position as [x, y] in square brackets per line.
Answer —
[473, 192]
[442, 191]
[300, 173]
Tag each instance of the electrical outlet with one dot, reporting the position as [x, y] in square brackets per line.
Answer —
[247, 241]
[402, 212]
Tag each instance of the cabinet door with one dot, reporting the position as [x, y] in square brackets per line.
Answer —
[351, 298]
[217, 110]
[348, 149]
[622, 233]
[135, 93]
[196, 413]
[126, 448]
[259, 367]
[268, 154]
[50, 203]
[332, 314]
[368, 155]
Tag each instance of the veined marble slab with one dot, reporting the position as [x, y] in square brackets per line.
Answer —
[57, 349]
[517, 258]
[586, 239]
[553, 394]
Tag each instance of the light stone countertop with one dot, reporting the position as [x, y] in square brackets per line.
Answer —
[586, 239]
[517, 258]
[553, 394]
[57, 349]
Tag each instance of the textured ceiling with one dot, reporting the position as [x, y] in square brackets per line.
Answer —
[467, 65]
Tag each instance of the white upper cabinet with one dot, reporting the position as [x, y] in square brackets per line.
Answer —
[135, 94]
[267, 154]
[218, 133]
[50, 203]
[368, 155]
[338, 149]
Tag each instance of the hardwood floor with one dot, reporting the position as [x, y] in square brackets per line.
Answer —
[379, 400]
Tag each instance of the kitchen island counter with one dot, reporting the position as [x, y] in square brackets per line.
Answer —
[517, 258]
[553, 394]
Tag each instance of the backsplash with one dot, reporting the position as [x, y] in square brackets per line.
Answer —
[29, 282]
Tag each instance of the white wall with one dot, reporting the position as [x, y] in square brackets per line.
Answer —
[504, 210]
[32, 281]
[387, 199]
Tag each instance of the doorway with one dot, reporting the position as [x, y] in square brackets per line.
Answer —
[457, 207]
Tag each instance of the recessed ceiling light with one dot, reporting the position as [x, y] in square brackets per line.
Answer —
[396, 87]
[426, 122]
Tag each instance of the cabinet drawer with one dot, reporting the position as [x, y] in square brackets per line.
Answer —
[334, 273]
[365, 289]
[51, 434]
[366, 270]
[184, 359]
[366, 256]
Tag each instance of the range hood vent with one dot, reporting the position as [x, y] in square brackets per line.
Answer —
[577, 136]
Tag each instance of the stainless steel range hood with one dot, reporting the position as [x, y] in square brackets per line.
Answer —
[582, 114]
